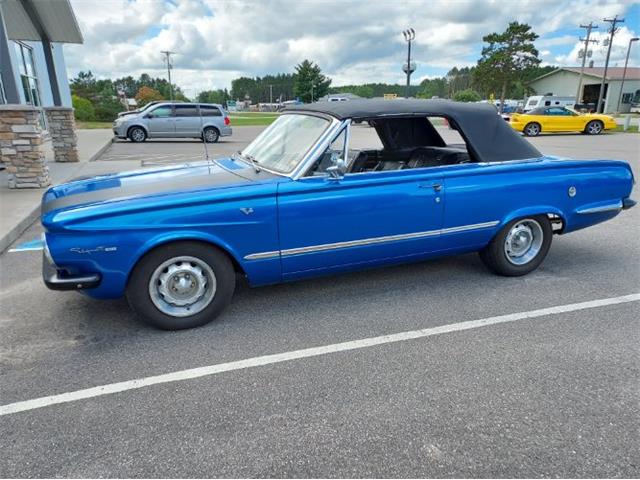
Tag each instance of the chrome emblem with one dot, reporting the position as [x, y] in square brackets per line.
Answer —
[93, 250]
[572, 191]
[247, 210]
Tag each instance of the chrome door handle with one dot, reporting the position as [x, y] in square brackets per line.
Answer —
[436, 186]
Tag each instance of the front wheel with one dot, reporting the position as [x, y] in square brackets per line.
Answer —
[181, 285]
[520, 247]
[594, 127]
[137, 135]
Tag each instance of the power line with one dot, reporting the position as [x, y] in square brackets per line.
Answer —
[586, 41]
[167, 58]
[613, 21]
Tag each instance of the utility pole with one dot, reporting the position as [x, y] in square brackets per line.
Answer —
[613, 21]
[312, 85]
[270, 94]
[167, 58]
[624, 72]
[586, 41]
[409, 36]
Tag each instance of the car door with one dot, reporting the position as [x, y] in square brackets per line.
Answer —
[160, 122]
[558, 119]
[360, 219]
[187, 120]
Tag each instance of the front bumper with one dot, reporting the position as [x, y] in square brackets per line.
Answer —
[54, 281]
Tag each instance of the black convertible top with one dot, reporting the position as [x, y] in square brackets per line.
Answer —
[488, 136]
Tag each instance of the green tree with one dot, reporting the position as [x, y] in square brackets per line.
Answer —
[146, 95]
[433, 87]
[505, 58]
[310, 84]
[213, 96]
[107, 108]
[467, 95]
[83, 107]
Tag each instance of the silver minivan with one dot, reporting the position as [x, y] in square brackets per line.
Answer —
[207, 121]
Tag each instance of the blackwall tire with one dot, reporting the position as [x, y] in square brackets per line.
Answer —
[137, 134]
[520, 247]
[181, 285]
[211, 135]
[594, 127]
[532, 129]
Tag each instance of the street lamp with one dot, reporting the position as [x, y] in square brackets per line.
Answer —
[409, 36]
[624, 72]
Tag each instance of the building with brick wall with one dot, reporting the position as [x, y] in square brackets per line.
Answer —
[35, 99]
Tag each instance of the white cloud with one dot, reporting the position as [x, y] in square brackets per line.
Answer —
[352, 41]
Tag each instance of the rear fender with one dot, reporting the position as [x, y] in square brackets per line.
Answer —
[532, 211]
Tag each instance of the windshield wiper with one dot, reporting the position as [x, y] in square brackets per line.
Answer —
[250, 159]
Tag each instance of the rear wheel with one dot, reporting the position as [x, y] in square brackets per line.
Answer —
[181, 285]
[520, 247]
[211, 135]
[594, 127]
[532, 129]
[137, 134]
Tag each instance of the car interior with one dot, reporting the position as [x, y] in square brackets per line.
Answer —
[411, 142]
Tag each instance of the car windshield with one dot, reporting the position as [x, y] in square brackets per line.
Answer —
[283, 144]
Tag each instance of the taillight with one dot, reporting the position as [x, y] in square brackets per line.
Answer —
[227, 121]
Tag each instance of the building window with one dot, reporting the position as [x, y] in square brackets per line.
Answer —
[29, 77]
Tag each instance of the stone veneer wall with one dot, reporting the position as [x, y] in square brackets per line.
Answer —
[61, 123]
[21, 150]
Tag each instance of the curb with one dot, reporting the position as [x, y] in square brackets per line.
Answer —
[102, 149]
[12, 235]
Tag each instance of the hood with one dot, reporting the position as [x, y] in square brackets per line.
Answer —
[174, 179]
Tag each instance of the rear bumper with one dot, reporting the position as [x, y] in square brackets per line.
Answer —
[54, 281]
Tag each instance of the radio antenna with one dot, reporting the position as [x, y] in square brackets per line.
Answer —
[204, 135]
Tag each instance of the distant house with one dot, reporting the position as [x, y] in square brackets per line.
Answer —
[564, 82]
[33, 71]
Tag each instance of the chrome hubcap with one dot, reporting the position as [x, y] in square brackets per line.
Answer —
[182, 286]
[523, 242]
[594, 128]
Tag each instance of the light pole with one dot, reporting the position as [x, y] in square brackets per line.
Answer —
[312, 85]
[409, 36]
[624, 72]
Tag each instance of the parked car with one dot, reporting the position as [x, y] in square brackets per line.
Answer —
[175, 120]
[560, 119]
[298, 202]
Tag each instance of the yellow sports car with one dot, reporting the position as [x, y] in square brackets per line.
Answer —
[560, 119]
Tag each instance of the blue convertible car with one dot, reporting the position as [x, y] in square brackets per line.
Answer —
[301, 201]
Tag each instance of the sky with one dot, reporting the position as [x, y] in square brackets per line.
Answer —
[353, 41]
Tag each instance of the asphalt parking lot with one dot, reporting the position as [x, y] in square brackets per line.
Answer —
[551, 393]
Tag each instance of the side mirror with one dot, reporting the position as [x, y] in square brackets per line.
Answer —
[149, 115]
[338, 169]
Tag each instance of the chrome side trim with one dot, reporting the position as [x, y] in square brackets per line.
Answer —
[603, 208]
[262, 255]
[369, 241]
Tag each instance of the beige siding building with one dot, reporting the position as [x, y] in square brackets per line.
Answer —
[564, 82]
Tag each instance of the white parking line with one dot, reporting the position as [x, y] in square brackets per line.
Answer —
[305, 353]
